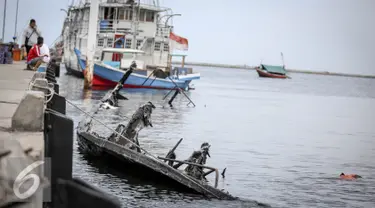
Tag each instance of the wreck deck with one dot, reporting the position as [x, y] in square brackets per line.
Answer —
[98, 145]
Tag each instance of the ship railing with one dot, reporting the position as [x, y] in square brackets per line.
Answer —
[109, 26]
[163, 31]
[211, 169]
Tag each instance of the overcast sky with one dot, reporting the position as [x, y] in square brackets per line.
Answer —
[322, 35]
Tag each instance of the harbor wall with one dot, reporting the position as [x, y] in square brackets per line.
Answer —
[231, 66]
[34, 129]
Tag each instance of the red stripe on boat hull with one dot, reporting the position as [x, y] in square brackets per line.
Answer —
[270, 75]
[99, 81]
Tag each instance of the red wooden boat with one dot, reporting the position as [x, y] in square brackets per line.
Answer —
[271, 71]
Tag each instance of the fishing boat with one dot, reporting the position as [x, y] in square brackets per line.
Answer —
[107, 72]
[125, 24]
[271, 71]
[122, 148]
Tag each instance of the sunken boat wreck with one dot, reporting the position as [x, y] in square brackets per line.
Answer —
[123, 146]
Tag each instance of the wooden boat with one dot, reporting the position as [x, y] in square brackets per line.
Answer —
[123, 148]
[107, 73]
[271, 71]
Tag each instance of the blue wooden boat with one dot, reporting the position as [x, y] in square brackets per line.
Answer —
[107, 73]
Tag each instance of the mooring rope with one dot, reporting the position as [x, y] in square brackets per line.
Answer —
[114, 131]
[49, 87]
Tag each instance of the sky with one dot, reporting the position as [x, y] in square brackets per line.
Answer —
[318, 35]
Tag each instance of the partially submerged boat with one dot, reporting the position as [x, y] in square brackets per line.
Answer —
[123, 146]
[108, 72]
[271, 71]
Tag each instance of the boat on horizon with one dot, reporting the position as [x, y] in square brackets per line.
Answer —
[271, 71]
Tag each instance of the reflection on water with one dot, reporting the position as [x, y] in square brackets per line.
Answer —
[283, 142]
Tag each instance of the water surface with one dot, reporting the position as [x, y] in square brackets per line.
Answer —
[283, 142]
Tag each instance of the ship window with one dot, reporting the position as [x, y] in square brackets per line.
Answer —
[166, 47]
[128, 14]
[157, 46]
[149, 16]
[128, 43]
[100, 42]
[142, 15]
[109, 42]
[139, 42]
[121, 14]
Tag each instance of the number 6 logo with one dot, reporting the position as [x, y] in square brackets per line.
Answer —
[22, 177]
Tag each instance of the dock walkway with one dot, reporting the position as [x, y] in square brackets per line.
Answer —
[14, 82]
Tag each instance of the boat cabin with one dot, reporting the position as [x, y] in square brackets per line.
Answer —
[125, 57]
[179, 70]
[123, 24]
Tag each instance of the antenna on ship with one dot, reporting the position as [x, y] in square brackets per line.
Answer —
[282, 59]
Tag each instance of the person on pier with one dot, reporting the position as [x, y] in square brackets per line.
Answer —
[36, 56]
[30, 36]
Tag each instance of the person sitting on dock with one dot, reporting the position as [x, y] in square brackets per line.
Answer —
[35, 58]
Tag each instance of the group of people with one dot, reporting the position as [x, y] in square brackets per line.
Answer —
[33, 42]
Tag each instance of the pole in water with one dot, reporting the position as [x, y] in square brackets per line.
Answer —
[173, 97]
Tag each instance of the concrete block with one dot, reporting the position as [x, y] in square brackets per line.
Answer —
[29, 115]
[40, 82]
[38, 75]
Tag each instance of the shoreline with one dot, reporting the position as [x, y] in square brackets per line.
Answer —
[233, 66]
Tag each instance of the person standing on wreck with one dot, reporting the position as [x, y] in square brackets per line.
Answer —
[30, 36]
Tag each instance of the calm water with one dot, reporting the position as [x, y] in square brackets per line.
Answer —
[283, 142]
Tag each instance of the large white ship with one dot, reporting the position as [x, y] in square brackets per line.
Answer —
[125, 29]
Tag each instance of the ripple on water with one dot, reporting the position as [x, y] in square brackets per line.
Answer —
[283, 142]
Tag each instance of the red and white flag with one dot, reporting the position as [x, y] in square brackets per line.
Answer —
[177, 42]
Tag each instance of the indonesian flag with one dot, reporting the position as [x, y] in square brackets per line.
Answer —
[178, 42]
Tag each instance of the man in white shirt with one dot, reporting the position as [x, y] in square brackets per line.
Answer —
[30, 35]
[45, 50]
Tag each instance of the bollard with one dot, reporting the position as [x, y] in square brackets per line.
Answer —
[57, 103]
[77, 193]
[58, 137]
[56, 88]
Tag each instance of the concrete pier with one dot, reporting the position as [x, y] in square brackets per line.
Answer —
[34, 131]
[24, 147]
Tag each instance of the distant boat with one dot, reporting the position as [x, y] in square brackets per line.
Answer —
[271, 71]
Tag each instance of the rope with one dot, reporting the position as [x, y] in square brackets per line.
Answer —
[104, 141]
[49, 88]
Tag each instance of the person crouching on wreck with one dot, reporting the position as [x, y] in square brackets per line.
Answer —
[35, 58]
[198, 157]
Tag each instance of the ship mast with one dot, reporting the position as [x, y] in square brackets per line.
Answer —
[135, 23]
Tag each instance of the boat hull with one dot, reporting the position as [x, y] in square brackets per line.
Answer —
[263, 73]
[96, 145]
[107, 76]
[74, 64]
